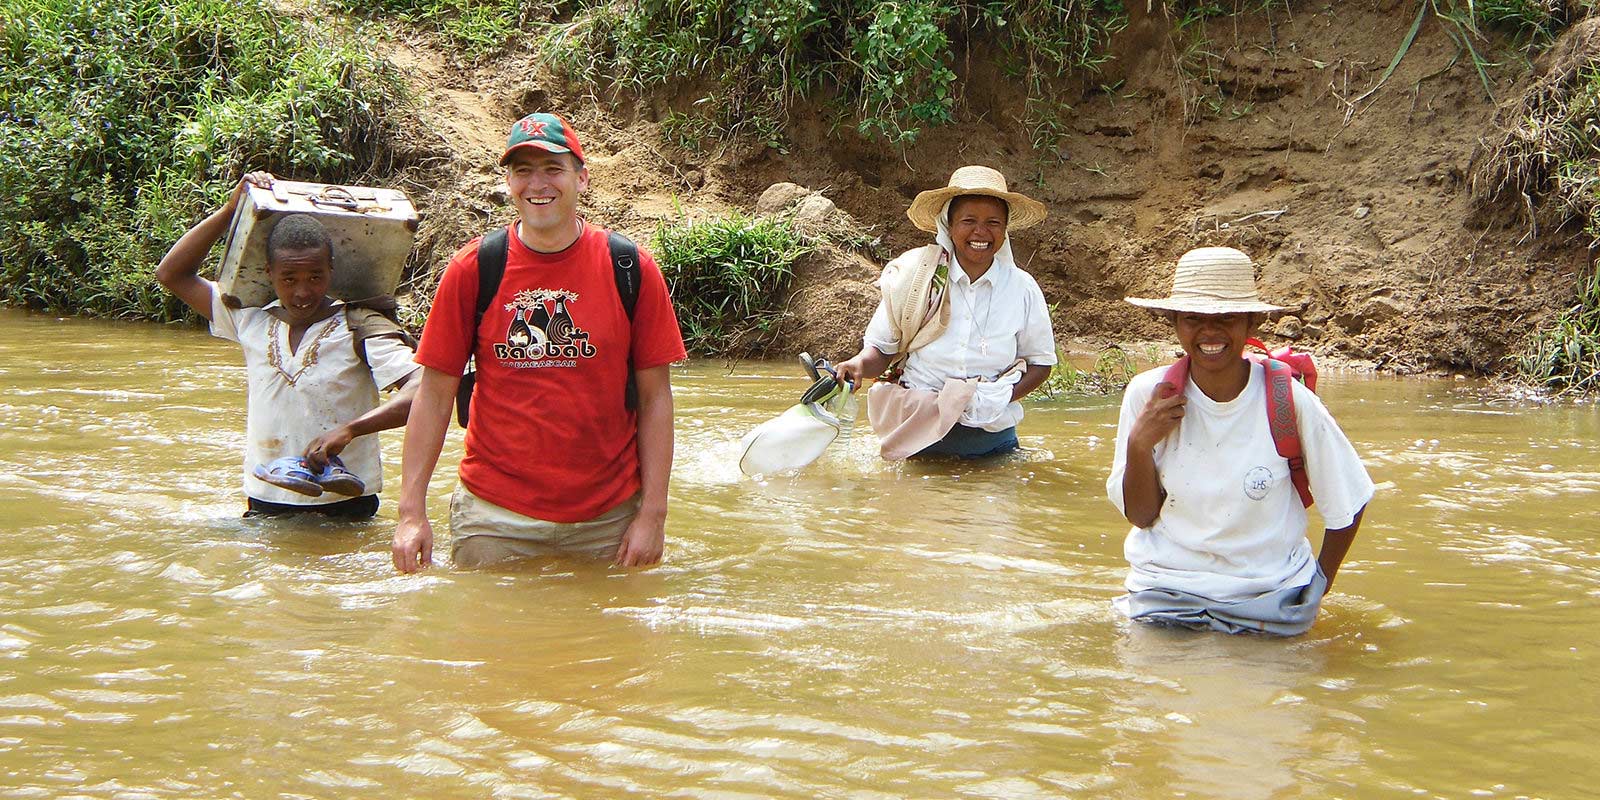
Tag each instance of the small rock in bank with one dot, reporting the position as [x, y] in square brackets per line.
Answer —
[1362, 211]
[780, 196]
[500, 194]
[1290, 327]
[814, 210]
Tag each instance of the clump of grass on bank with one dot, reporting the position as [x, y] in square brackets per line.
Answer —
[729, 279]
[1564, 357]
[1542, 166]
[123, 121]
[479, 27]
[1112, 370]
[887, 68]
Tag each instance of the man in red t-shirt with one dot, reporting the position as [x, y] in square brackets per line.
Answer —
[555, 460]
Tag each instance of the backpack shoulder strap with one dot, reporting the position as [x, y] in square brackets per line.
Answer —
[1178, 374]
[491, 268]
[1284, 425]
[367, 322]
[625, 269]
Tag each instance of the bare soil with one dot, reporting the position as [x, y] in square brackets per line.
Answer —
[1372, 234]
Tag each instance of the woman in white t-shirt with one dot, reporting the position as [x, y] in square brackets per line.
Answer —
[1219, 528]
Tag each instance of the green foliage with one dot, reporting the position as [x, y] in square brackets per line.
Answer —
[1112, 370]
[480, 27]
[888, 68]
[1564, 357]
[121, 121]
[1537, 19]
[729, 279]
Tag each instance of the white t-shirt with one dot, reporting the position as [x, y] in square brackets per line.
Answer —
[297, 396]
[994, 321]
[1232, 526]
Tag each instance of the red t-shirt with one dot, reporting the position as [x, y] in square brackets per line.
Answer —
[550, 434]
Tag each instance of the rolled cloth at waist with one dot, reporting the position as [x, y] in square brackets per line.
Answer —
[909, 420]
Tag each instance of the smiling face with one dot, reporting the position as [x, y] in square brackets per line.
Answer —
[301, 276]
[544, 187]
[978, 229]
[1215, 342]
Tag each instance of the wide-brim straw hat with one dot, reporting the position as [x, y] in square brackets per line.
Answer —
[1212, 280]
[1023, 212]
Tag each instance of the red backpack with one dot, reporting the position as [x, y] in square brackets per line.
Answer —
[1283, 365]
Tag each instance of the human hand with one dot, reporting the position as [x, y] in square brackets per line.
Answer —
[413, 544]
[850, 372]
[325, 447]
[643, 541]
[1159, 418]
[261, 179]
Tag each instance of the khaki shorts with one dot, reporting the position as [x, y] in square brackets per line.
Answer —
[485, 534]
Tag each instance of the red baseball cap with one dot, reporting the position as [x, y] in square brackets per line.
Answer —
[547, 132]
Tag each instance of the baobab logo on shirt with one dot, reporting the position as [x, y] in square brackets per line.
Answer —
[542, 333]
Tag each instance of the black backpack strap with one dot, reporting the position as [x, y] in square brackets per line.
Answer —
[491, 269]
[625, 268]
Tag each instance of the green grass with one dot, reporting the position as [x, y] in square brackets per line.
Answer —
[1564, 357]
[883, 69]
[123, 121]
[729, 279]
[1112, 370]
[480, 27]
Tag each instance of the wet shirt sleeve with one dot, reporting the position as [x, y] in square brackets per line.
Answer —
[224, 321]
[1036, 342]
[1340, 484]
[657, 340]
[389, 359]
[879, 334]
[448, 335]
[1134, 399]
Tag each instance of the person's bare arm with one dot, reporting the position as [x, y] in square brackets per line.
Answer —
[389, 415]
[1032, 378]
[179, 270]
[1142, 494]
[1335, 545]
[645, 539]
[425, 428]
[869, 363]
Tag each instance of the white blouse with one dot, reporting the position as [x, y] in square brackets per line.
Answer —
[995, 320]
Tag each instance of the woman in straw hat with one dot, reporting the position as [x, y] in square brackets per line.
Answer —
[1219, 528]
[962, 346]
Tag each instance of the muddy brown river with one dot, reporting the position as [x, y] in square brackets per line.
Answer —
[859, 630]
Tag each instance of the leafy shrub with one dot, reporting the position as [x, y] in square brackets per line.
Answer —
[888, 67]
[122, 121]
[729, 279]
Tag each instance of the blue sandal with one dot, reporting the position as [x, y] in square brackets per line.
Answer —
[289, 473]
[335, 478]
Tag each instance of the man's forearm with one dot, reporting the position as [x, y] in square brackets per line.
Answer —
[655, 441]
[426, 424]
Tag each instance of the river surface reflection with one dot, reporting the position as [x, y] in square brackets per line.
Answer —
[858, 630]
